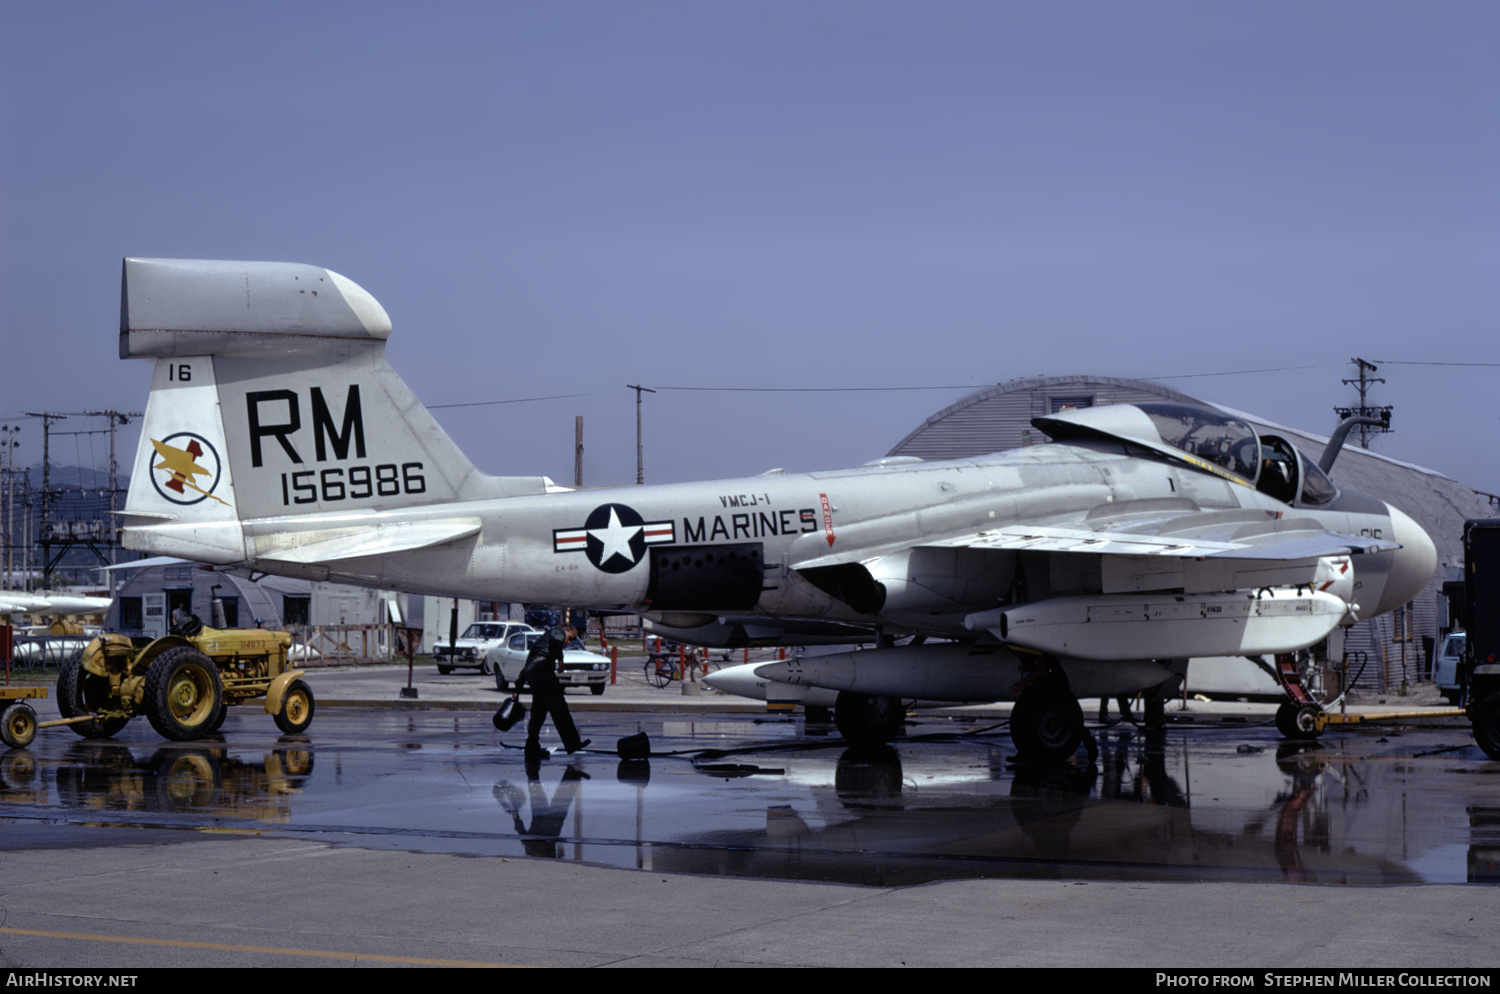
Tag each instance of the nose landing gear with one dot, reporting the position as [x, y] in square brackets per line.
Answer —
[1297, 718]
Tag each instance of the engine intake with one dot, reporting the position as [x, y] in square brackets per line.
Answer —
[706, 577]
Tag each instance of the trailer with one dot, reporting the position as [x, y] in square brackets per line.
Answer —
[1481, 660]
[18, 722]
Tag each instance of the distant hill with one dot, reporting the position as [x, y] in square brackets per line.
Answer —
[68, 478]
[80, 506]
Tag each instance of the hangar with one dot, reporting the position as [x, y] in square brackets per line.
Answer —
[1383, 652]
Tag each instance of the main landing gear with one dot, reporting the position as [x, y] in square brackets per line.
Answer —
[868, 721]
[1046, 724]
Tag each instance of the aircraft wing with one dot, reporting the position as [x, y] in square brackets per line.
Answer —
[1172, 528]
[1277, 545]
[1157, 545]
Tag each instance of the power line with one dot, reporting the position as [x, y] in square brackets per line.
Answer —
[1412, 362]
[517, 400]
[1240, 372]
[975, 386]
[960, 386]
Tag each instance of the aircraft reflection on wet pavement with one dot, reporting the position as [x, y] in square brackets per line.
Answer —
[784, 800]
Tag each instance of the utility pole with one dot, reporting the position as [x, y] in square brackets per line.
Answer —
[117, 419]
[578, 451]
[46, 530]
[1364, 410]
[640, 465]
[8, 448]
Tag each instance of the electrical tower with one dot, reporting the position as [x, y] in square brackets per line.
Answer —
[1363, 385]
[47, 495]
[117, 419]
[84, 526]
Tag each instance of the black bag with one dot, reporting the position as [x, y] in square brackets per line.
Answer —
[510, 712]
[636, 746]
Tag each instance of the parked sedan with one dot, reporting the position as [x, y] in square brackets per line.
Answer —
[581, 668]
[474, 645]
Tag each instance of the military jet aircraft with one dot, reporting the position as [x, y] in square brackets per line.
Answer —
[278, 439]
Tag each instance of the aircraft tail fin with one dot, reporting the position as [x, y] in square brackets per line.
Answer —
[272, 398]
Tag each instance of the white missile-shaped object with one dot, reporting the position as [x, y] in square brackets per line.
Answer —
[50, 602]
[742, 681]
[1168, 626]
[952, 673]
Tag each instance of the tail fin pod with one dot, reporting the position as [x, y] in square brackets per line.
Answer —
[275, 373]
[197, 307]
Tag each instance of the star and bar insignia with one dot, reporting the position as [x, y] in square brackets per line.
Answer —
[614, 537]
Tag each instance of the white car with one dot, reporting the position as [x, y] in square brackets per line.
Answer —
[474, 646]
[581, 668]
[1445, 666]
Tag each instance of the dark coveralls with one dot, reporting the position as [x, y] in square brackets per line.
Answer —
[540, 672]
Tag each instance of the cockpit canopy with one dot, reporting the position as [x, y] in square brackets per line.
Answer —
[1207, 439]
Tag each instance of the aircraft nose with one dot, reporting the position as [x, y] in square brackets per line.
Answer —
[1413, 565]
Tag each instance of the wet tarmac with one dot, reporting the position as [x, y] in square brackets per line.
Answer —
[412, 833]
[737, 795]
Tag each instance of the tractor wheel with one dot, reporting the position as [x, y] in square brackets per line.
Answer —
[296, 709]
[18, 725]
[183, 694]
[80, 692]
[218, 722]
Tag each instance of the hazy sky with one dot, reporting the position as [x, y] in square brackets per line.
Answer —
[566, 197]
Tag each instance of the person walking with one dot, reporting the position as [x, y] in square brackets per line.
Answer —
[543, 664]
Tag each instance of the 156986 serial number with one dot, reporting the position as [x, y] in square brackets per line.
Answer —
[328, 486]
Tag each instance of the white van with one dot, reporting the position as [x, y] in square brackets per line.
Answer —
[1445, 665]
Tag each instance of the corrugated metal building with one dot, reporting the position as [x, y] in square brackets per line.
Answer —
[999, 417]
[144, 602]
[145, 599]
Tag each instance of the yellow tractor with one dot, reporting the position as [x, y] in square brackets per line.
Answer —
[182, 683]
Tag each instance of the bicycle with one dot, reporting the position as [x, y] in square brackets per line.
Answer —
[661, 669]
[665, 666]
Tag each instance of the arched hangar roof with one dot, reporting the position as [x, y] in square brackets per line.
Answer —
[999, 417]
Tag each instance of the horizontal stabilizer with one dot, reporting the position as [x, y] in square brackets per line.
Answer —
[145, 564]
[327, 545]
